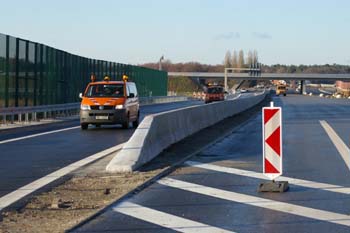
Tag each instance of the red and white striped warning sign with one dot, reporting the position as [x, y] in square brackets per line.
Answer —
[272, 141]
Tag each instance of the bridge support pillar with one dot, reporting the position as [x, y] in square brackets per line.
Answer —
[302, 87]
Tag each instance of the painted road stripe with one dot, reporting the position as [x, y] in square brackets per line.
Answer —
[35, 185]
[165, 220]
[287, 208]
[343, 150]
[257, 175]
[37, 135]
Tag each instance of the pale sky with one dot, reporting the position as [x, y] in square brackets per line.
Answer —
[136, 31]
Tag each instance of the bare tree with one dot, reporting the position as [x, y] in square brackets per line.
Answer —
[227, 61]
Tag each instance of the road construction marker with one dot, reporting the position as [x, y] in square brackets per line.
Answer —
[272, 141]
[272, 149]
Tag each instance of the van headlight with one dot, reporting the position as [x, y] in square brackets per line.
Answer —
[85, 107]
[119, 106]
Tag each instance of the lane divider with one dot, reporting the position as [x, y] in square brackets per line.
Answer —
[257, 175]
[165, 220]
[311, 213]
[343, 150]
[38, 134]
[20, 193]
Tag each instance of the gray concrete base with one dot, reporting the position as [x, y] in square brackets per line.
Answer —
[274, 186]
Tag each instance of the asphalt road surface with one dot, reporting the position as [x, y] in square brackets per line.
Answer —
[29, 159]
[217, 190]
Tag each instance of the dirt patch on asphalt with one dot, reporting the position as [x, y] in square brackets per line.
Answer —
[92, 189]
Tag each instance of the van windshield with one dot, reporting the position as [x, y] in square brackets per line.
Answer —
[105, 90]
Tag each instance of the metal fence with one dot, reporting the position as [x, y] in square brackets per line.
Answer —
[34, 74]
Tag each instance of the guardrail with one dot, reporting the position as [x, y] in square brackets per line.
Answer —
[34, 113]
[31, 113]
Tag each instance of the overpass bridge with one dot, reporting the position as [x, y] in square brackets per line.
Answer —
[263, 76]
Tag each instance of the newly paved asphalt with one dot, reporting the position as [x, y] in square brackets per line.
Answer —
[200, 197]
[24, 161]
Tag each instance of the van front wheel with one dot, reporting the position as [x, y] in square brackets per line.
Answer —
[84, 126]
[137, 121]
[125, 125]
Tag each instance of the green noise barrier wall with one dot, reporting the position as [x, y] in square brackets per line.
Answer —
[34, 74]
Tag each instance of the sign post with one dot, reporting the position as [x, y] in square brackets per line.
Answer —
[272, 149]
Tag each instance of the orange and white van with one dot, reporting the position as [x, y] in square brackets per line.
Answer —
[109, 102]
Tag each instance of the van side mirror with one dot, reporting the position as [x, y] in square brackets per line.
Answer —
[80, 95]
[131, 95]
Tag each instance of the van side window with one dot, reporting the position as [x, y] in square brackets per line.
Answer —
[132, 88]
[128, 90]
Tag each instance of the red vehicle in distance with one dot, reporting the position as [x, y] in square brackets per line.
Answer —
[214, 93]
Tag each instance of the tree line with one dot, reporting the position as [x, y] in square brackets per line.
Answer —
[236, 59]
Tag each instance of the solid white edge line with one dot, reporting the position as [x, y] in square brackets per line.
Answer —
[343, 150]
[257, 175]
[38, 134]
[311, 213]
[18, 194]
[165, 220]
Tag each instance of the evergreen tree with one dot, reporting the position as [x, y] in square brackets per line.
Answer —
[250, 58]
[241, 63]
[234, 61]
[255, 56]
[227, 61]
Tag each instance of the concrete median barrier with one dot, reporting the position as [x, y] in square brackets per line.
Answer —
[157, 132]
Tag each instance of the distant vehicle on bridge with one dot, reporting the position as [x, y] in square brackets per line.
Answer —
[109, 102]
[214, 93]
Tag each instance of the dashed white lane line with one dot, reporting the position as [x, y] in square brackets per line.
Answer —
[257, 175]
[165, 220]
[18, 194]
[37, 135]
[307, 212]
[343, 150]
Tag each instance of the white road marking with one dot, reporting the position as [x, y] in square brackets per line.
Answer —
[257, 175]
[38, 134]
[165, 220]
[18, 194]
[343, 150]
[307, 212]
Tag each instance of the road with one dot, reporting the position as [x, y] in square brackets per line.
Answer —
[217, 190]
[26, 160]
